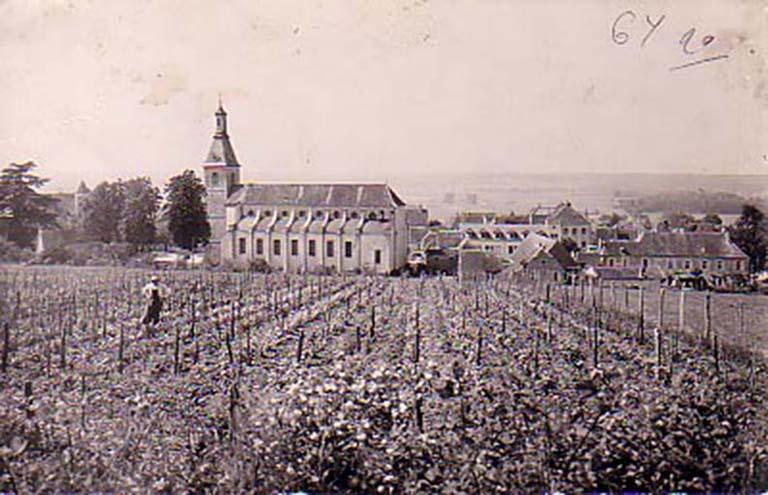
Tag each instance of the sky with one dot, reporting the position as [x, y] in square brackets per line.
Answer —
[378, 89]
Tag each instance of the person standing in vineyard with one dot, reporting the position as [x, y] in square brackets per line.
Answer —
[153, 292]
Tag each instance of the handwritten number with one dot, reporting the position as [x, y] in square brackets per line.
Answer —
[654, 27]
[621, 37]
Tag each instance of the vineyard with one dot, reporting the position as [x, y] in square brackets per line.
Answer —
[351, 384]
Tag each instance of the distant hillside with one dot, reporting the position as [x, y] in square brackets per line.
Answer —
[695, 202]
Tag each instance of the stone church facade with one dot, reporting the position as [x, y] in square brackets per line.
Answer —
[308, 227]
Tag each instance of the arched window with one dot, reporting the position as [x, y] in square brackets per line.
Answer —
[336, 214]
[251, 213]
[354, 214]
[319, 214]
[372, 216]
[215, 179]
[267, 213]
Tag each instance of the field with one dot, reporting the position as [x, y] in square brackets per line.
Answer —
[267, 383]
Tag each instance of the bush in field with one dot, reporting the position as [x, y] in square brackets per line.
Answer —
[12, 253]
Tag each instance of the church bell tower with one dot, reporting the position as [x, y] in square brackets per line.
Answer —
[222, 177]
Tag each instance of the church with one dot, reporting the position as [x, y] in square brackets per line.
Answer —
[300, 228]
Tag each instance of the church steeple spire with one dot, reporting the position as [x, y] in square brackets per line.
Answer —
[221, 152]
[221, 120]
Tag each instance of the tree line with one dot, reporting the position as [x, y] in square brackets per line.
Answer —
[119, 211]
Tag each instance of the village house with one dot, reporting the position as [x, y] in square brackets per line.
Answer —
[496, 235]
[545, 258]
[660, 254]
[304, 227]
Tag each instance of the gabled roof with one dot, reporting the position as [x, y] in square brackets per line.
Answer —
[688, 244]
[534, 245]
[676, 244]
[442, 239]
[565, 214]
[317, 195]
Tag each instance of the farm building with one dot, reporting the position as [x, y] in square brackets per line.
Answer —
[712, 253]
[544, 257]
[303, 227]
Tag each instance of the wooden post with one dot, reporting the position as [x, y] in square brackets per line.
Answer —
[6, 346]
[535, 351]
[595, 345]
[234, 395]
[373, 322]
[417, 345]
[300, 347]
[641, 309]
[120, 348]
[232, 320]
[626, 298]
[63, 348]
[708, 318]
[230, 354]
[358, 339]
[504, 321]
[658, 335]
[419, 415]
[479, 350]
[549, 325]
[680, 322]
[176, 345]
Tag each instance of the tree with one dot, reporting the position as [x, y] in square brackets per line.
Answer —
[187, 218]
[749, 233]
[22, 208]
[103, 211]
[711, 222]
[678, 220]
[141, 204]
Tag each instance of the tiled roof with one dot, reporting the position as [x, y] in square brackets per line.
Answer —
[442, 239]
[565, 214]
[317, 195]
[684, 244]
[535, 244]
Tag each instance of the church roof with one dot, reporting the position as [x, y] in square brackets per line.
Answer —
[221, 152]
[317, 195]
